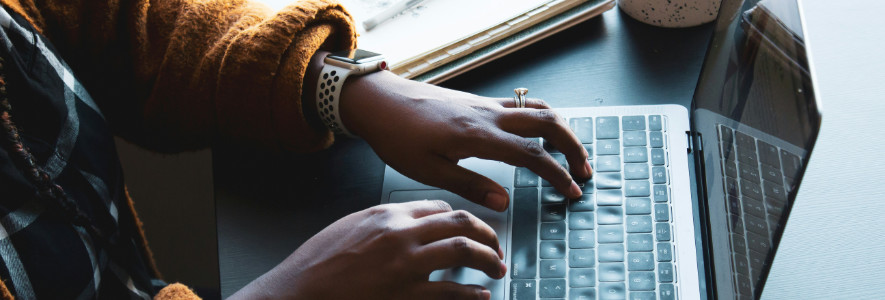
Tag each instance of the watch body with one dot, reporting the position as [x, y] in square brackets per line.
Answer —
[339, 66]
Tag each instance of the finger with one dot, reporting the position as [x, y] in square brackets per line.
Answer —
[518, 151]
[422, 208]
[447, 175]
[457, 223]
[553, 128]
[529, 103]
[445, 290]
[459, 251]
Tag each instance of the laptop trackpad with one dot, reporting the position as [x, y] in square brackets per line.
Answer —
[496, 220]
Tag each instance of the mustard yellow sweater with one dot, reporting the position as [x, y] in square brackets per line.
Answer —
[174, 75]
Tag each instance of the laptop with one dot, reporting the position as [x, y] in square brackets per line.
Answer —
[683, 204]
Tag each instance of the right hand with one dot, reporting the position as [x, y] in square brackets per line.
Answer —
[386, 252]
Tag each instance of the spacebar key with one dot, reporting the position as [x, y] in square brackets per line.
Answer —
[525, 233]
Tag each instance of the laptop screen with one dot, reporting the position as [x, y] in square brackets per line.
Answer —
[757, 117]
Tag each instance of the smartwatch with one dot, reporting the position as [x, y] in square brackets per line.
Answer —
[338, 66]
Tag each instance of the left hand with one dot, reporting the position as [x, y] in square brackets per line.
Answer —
[422, 131]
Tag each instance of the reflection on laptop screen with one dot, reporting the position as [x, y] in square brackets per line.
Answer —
[755, 111]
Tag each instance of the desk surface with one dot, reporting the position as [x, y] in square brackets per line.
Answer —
[268, 205]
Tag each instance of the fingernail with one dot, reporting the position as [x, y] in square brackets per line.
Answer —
[588, 169]
[486, 294]
[575, 190]
[496, 201]
[500, 253]
[503, 269]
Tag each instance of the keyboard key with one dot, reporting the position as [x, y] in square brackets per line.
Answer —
[774, 190]
[525, 178]
[582, 294]
[753, 207]
[635, 138]
[608, 147]
[642, 281]
[607, 128]
[757, 242]
[607, 180]
[612, 272]
[608, 164]
[582, 258]
[610, 197]
[768, 154]
[638, 206]
[610, 234]
[743, 141]
[552, 249]
[755, 224]
[585, 203]
[654, 123]
[552, 288]
[665, 272]
[635, 154]
[642, 296]
[608, 215]
[660, 193]
[749, 172]
[734, 205]
[662, 212]
[747, 156]
[633, 123]
[772, 174]
[731, 169]
[665, 252]
[657, 157]
[640, 242]
[552, 212]
[553, 231]
[638, 188]
[583, 129]
[639, 224]
[611, 252]
[524, 235]
[737, 223]
[580, 220]
[731, 187]
[744, 287]
[640, 261]
[751, 189]
[658, 175]
[662, 231]
[612, 291]
[581, 277]
[635, 171]
[550, 195]
[656, 139]
[522, 290]
[791, 164]
[552, 268]
[581, 239]
[587, 187]
[667, 292]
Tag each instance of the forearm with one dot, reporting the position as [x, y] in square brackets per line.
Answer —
[175, 75]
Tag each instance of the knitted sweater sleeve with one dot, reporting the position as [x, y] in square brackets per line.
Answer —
[174, 75]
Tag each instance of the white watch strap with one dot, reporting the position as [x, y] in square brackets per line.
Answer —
[328, 91]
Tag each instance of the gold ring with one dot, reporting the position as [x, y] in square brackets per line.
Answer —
[519, 99]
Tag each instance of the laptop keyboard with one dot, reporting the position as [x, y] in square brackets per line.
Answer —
[615, 242]
[758, 178]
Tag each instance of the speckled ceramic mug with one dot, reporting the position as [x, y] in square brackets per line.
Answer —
[671, 13]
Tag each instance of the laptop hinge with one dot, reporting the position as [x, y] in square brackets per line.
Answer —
[695, 142]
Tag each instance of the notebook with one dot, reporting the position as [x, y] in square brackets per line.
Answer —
[684, 204]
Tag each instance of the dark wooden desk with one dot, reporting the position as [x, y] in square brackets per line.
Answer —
[267, 205]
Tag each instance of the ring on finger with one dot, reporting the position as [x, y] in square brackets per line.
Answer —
[519, 99]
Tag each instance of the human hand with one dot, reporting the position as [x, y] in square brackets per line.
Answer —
[386, 252]
[423, 130]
